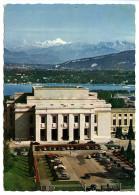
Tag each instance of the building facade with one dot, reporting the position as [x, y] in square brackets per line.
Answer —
[63, 114]
[57, 114]
[122, 118]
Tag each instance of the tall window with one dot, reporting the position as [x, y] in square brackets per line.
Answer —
[65, 119]
[31, 132]
[95, 118]
[76, 119]
[85, 131]
[87, 119]
[95, 129]
[54, 119]
[114, 122]
[43, 119]
[125, 121]
[119, 121]
[31, 119]
[125, 114]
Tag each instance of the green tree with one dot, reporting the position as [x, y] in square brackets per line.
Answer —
[129, 151]
[133, 156]
[8, 161]
[31, 161]
[117, 103]
[122, 151]
[118, 132]
[131, 134]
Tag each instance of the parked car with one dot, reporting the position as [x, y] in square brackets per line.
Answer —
[73, 142]
[88, 156]
[91, 142]
[87, 176]
[35, 143]
[121, 175]
[111, 142]
[93, 187]
[87, 147]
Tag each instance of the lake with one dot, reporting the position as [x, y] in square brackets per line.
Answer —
[10, 89]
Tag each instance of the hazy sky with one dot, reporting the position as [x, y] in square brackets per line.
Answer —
[71, 23]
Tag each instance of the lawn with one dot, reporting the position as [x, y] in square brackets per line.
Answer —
[64, 182]
[68, 189]
[125, 183]
[17, 178]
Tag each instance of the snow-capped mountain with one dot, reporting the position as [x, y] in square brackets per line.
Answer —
[59, 51]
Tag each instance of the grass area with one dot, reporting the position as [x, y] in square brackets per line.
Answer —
[18, 178]
[125, 183]
[68, 189]
[64, 182]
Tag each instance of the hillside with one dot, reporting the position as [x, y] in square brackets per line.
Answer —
[118, 61]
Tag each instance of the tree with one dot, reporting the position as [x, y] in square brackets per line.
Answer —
[8, 162]
[122, 151]
[31, 160]
[118, 132]
[129, 151]
[133, 156]
[131, 134]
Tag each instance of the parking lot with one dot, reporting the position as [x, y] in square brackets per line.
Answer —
[77, 166]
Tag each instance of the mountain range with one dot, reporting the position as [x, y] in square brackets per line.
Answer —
[60, 52]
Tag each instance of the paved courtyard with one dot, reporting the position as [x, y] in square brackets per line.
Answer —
[77, 166]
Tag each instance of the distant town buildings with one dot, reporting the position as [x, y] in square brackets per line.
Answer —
[64, 114]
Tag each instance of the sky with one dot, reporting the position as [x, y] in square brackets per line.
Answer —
[26, 24]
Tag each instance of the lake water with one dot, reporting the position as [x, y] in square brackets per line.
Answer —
[10, 89]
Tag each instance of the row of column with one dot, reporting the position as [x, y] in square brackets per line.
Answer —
[60, 127]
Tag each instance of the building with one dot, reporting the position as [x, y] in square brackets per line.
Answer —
[64, 114]
[57, 114]
[122, 118]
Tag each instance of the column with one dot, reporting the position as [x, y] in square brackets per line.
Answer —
[82, 125]
[37, 127]
[60, 128]
[49, 127]
[71, 126]
[91, 126]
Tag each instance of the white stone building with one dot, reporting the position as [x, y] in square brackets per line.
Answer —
[60, 114]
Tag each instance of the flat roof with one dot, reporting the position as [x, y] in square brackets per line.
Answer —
[59, 87]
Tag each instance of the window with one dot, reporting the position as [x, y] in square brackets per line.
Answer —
[95, 129]
[54, 119]
[87, 119]
[125, 121]
[120, 122]
[76, 119]
[95, 118]
[31, 132]
[125, 114]
[31, 119]
[114, 129]
[114, 115]
[85, 131]
[65, 119]
[120, 115]
[43, 119]
[114, 122]
[131, 114]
